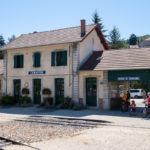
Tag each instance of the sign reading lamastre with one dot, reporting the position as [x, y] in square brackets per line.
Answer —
[37, 72]
[128, 78]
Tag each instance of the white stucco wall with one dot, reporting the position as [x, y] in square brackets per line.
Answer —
[69, 73]
[47, 80]
[89, 44]
[100, 86]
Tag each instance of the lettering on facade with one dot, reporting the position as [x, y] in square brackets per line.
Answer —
[37, 72]
[128, 78]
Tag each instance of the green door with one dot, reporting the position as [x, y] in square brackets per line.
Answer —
[91, 92]
[37, 91]
[59, 90]
[17, 89]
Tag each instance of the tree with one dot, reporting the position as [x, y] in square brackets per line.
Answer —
[97, 20]
[11, 38]
[133, 39]
[115, 40]
[142, 38]
[2, 41]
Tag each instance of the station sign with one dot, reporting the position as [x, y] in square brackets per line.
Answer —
[128, 78]
[36, 72]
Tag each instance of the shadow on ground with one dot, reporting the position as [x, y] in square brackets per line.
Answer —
[37, 111]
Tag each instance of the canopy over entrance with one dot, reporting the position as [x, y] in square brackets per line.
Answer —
[129, 75]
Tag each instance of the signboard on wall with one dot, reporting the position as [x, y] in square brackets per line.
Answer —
[129, 75]
[36, 72]
[128, 78]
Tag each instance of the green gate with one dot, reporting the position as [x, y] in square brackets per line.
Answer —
[59, 90]
[91, 91]
[37, 91]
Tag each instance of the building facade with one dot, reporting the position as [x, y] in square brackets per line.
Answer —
[52, 59]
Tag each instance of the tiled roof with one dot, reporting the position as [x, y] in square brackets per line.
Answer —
[1, 66]
[125, 59]
[93, 60]
[148, 39]
[66, 35]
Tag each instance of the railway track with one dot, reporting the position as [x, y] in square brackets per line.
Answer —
[9, 142]
[52, 121]
[4, 143]
[59, 121]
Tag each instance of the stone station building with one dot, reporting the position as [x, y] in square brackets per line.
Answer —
[72, 62]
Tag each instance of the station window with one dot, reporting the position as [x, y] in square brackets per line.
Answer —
[37, 59]
[59, 58]
[18, 61]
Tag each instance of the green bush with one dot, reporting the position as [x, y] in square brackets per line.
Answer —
[24, 100]
[79, 107]
[48, 101]
[25, 91]
[67, 103]
[46, 91]
[7, 100]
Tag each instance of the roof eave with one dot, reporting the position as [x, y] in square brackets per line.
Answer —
[1, 49]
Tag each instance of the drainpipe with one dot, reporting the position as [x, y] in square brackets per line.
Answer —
[5, 69]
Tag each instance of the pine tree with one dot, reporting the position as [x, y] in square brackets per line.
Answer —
[115, 39]
[133, 39]
[97, 20]
[2, 41]
[11, 38]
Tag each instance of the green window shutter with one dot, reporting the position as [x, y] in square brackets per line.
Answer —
[34, 59]
[15, 61]
[65, 58]
[21, 61]
[37, 59]
[52, 58]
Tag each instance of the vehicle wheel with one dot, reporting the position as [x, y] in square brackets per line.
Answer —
[135, 96]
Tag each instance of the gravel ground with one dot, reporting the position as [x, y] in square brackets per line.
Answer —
[34, 132]
[102, 138]
[125, 132]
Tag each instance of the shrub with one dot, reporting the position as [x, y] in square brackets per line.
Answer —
[25, 100]
[79, 107]
[7, 100]
[25, 91]
[67, 103]
[47, 101]
[46, 91]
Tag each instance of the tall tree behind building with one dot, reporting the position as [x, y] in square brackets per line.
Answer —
[133, 39]
[11, 38]
[2, 41]
[115, 40]
[97, 20]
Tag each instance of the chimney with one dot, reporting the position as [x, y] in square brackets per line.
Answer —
[83, 30]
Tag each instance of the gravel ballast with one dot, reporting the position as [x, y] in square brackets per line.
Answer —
[29, 132]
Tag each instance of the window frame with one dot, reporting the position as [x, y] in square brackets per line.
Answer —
[17, 63]
[57, 55]
[34, 61]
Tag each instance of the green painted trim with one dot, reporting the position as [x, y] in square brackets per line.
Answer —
[129, 75]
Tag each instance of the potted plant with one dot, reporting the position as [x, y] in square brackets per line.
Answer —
[25, 92]
[47, 99]
[25, 101]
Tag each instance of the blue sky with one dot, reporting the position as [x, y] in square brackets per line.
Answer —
[25, 16]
